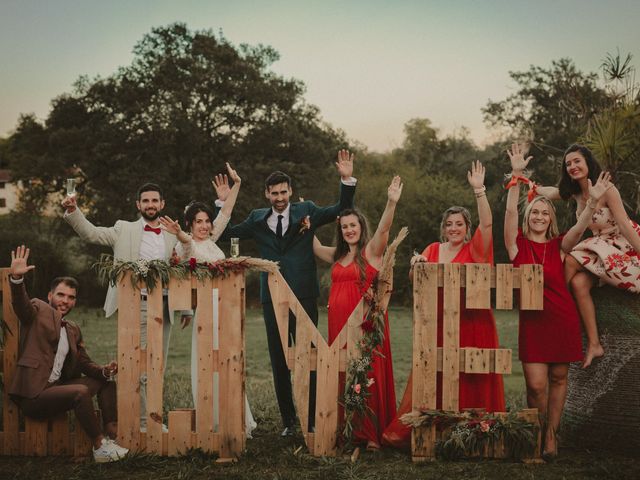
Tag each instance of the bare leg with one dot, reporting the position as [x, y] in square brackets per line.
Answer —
[557, 395]
[581, 283]
[536, 376]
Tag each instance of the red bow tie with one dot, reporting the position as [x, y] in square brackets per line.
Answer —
[149, 228]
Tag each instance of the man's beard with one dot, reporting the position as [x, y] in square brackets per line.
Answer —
[148, 217]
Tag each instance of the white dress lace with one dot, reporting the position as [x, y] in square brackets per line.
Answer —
[208, 251]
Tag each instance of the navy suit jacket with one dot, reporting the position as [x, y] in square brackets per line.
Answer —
[294, 251]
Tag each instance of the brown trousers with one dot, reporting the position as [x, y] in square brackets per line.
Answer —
[76, 394]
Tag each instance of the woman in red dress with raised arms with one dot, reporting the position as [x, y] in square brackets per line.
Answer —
[477, 327]
[548, 339]
[356, 261]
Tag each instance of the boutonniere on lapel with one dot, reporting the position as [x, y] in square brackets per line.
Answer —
[305, 224]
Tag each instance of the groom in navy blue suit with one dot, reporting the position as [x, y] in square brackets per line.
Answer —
[284, 233]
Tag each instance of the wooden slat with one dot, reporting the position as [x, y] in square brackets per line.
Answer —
[504, 286]
[179, 294]
[155, 370]
[231, 366]
[451, 337]
[477, 360]
[35, 437]
[327, 400]
[60, 438]
[300, 369]
[180, 424]
[280, 298]
[531, 288]
[503, 361]
[128, 364]
[11, 442]
[478, 285]
[204, 341]
[425, 362]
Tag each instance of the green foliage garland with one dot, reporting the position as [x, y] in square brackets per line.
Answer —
[472, 431]
[153, 271]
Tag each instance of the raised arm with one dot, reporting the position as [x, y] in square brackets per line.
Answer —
[23, 307]
[231, 198]
[596, 192]
[518, 164]
[377, 244]
[322, 252]
[476, 179]
[87, 230]
[324, 215]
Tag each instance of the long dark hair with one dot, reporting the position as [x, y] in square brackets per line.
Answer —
[192, 210]
[569, 187]
[342, 247]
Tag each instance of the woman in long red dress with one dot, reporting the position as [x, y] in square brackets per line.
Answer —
[477, 327]
[356, 260]
[548, 339]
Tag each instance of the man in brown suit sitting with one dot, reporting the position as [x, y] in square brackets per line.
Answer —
[48, 379]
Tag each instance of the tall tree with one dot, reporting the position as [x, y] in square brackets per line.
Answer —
[188, 102]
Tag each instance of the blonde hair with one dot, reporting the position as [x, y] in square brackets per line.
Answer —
[552, 230]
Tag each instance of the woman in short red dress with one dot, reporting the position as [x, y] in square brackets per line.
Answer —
[356, 261]
[548, 339]
[477, 327]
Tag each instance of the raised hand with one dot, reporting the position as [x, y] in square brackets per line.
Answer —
[221, 185]
[233, 174]
[475, 176]
[395, 189]
[599, 189]
[345, 164]
[69, 203]
[171, 226]
[516, 155]
[19, 258]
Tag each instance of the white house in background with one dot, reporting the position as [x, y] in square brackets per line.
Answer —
[8, 192]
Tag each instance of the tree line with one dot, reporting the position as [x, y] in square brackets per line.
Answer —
[191, 101]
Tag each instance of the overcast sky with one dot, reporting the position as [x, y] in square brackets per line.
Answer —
[370, 66]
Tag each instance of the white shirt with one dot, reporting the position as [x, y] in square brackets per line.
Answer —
[272, 220]
[151, 245]
[61, 354]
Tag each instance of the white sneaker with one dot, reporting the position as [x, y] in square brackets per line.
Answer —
[109, 451]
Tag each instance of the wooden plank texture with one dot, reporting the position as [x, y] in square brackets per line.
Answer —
[10, 419]
[231, 365]
[204, 341]
[155, 371]
[504, 286]
[128, 365]
[478, 285]
[180, 425]
[451, 337]
[531, 287]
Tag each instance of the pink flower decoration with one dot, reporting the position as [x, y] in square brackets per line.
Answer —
[357, 388]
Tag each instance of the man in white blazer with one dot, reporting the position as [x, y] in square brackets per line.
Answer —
[142, 239]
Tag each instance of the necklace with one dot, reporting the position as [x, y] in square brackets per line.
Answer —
[544, 253]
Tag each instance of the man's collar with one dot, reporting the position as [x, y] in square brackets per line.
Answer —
[285, 213]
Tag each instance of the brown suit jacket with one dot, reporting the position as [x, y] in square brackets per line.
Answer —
[39, 335]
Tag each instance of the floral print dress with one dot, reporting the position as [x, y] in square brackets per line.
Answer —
[608, 254]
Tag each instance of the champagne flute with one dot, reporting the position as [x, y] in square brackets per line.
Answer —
[235, 247]
[71, 187]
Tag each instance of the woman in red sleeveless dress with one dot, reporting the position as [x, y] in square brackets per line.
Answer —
[477, 327]
[548, 339]
[356, 260]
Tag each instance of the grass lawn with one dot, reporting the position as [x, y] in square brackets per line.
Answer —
[269, 456]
